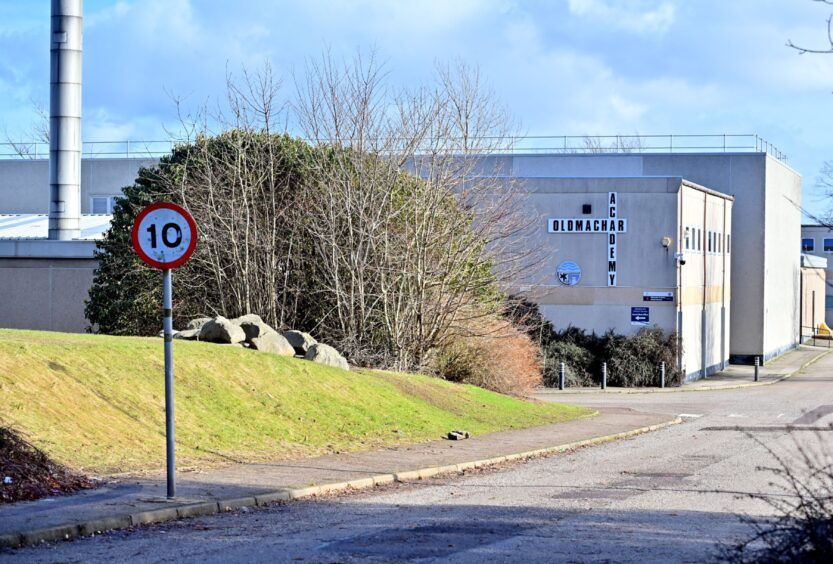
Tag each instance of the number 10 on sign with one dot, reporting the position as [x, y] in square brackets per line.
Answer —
[164, 236]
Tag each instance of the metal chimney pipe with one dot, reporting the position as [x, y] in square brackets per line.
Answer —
[65, 120]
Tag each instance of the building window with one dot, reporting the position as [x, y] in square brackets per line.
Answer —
[808, 244]
[687, 238]
[828, 245]
[720, 242]
[102, 204]
[728, 244]
[709, 241]
[699, 239]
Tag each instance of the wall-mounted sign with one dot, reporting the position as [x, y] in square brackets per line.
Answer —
[611, 226]
[583, 225]
[569, 273]
[657, 296]
[640, 316]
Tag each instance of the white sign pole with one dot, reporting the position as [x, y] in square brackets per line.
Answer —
[168, 329]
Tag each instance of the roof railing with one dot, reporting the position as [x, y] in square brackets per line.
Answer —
[544, 144]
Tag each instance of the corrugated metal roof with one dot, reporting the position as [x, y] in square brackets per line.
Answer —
[36, 226]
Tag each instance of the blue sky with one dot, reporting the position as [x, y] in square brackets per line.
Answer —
[571, 67]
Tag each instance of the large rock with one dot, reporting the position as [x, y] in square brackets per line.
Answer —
[253, 326]
[325, 354]
[188, 334]
[221, 330]
[198, 323]
[300, 341]
[273, 343]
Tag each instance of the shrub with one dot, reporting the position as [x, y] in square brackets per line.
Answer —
[635, 360]
[496, 356]
[578, 363]
[632, 361]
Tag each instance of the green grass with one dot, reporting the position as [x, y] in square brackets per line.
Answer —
[96, 403]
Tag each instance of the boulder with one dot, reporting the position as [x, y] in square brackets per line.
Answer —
[188, 334]
[300, 341]
[325, 354]
[253, 326]
[273, 343]
[221, 330]
[198, 323]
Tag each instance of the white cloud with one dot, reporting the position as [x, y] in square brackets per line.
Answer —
[635, 16]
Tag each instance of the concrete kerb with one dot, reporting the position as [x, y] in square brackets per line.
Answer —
[715, 388]
[154, 516]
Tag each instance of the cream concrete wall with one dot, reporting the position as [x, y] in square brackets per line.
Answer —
[643, 264]
[705, 280]
[813, 286]
[46, 294]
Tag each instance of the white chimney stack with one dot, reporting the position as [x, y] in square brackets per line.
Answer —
[65, 120]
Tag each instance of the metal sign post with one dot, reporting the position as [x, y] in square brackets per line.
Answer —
[168, 329]
[164, 236]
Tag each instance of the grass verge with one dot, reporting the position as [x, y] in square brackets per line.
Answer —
[96, 403]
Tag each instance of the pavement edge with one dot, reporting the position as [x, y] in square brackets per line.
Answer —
[714, 388]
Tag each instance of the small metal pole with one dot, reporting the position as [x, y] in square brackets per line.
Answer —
[604, 375]
[167, 326]
[757, 364]
[562, 373]
[662, 375]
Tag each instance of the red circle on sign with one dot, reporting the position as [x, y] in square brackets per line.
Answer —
[134, 235]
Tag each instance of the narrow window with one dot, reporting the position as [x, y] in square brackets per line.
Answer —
[728, 244]
[101, 205]
[687, 238]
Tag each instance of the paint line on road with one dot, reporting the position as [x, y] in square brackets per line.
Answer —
[691, 415]
[766, 428]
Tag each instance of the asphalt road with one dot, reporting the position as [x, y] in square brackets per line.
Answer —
[672, 495]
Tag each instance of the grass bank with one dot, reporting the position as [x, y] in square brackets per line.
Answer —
[96, 403]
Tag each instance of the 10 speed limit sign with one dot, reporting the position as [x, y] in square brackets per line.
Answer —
[164, 236]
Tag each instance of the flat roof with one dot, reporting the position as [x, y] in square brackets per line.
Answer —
[36, 226]
[813, 261]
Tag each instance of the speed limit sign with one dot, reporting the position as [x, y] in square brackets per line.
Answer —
[164, 235]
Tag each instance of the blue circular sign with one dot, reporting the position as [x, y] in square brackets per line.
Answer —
[569, 273]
